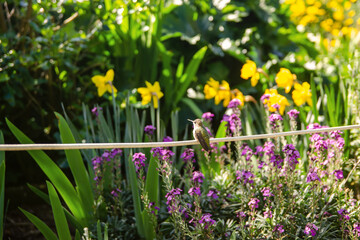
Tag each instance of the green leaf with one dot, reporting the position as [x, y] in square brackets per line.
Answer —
[39, 224]
[314, 101]
[183, 84]
[196, 110]
[61, 224]
[152, 181]
[77, 167]
[136, 196]
[56, 176]
[98, 230]
[221, 132]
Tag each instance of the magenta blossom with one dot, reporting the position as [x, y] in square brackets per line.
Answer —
[198, 177]
[149, 129]
[254, 203]
[311, 228]
[339, 174]
[208, 116]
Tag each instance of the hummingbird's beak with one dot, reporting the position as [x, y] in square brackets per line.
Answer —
[190, 120]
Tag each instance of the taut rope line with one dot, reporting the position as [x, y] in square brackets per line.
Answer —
[65, 146]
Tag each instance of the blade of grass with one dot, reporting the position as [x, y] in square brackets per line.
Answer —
[39, 224]
[77, 168]
[61, 224]
[56, 176]
[314, 100]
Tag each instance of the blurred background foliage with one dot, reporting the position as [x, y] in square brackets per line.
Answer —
[51, 49]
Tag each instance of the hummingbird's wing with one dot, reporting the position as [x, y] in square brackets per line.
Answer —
[205, 144]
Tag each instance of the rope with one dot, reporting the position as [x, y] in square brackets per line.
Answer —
[64, 146]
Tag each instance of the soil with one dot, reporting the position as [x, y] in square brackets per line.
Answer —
[17, 226]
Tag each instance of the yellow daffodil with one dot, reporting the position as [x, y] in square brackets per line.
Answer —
[236, 93]
[150, 92]
[284, 78]
[104, 83]
[211, 88]
[275, 98]
[302, 94]
[224, 93]
[249, 70]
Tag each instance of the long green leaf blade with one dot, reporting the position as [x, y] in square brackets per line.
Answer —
[61, 224]
[2, 197]
[77, 167]
[56, 176]
[39, 224]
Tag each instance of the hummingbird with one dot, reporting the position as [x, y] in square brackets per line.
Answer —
[201, 134]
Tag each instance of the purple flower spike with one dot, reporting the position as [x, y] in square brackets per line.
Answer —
[356, 229]
[339, 174]
[208, 116]
[213, 194]
[188, 155]
[149, 129]
[311, 228]
[198, 177]
[274, 120]
[206, 219]
[139, 160]
[234, 103]
[167, 139]
[195, 191]
[293, 114]
[279, 228]
[254, 203]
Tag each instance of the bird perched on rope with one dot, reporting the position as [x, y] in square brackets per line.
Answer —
[201, 134]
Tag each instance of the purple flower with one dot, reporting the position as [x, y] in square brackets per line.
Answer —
[115, 192]
[167, 139]
[356, 229]
[291, 155]
[276, 160]
[153, 207]
[336, 134]
[312, 175]
[269, 148]
[266, 192]
[213, 194]
[162, 153]
[264, 97]
[198, 177]
[96, 111]
[279, 228]
[311, 228]
[234, 103]
[234, 123]
[338, 174]
[188, 155]
[206, 219]
[274, 120]
[170, 196]
[246, 151]
[245, 176]
[115, 152]
[343, 214]
[223, 149]
[208, 116]
[314, 126]
[241, 215]
[293, 114]
[139, 160]
[96, 162]
[149, 129]
[268, 214]
[254, 203]
[195, 190]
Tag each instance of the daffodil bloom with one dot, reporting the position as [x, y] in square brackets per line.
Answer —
[302, 94]
[273, 99]
[224, 93]
[211, 88]
[104, 83]
[284, 78]
[151, 92]
[249, 70]
[236, 93]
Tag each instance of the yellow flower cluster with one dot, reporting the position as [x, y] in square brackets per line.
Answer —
[104, 83]
[150, 92]
[222, 92]
[336, 17]
[249, 70]
[274, 98]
